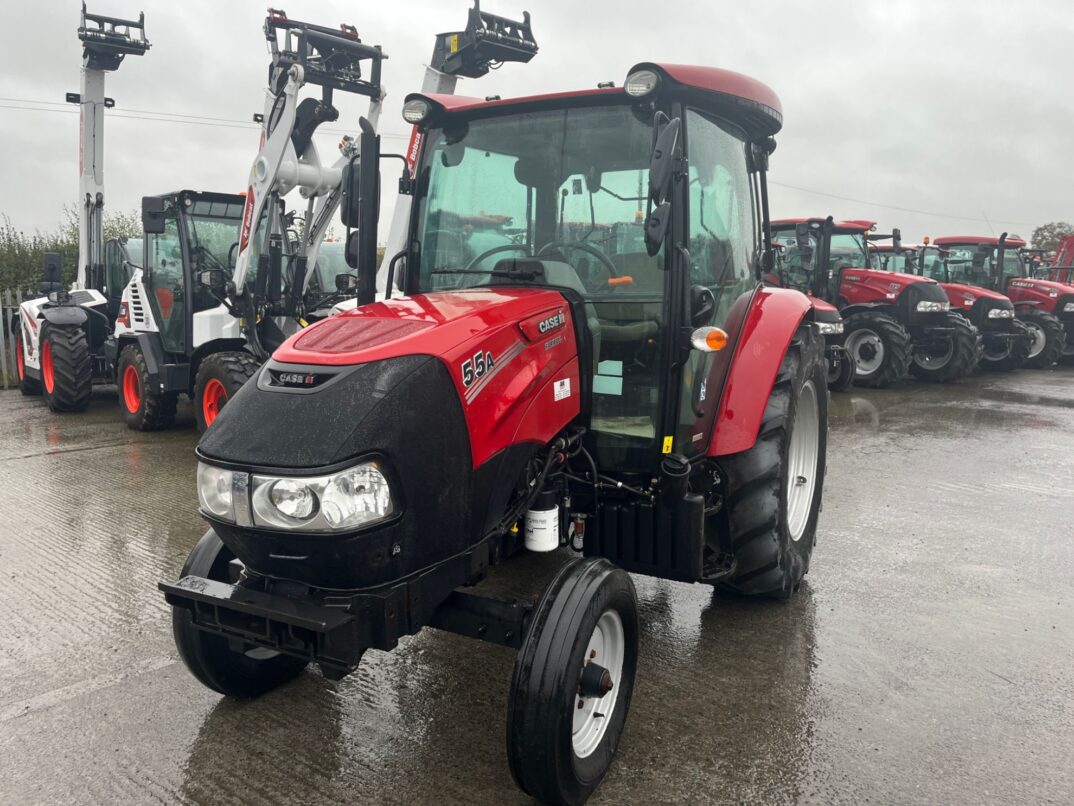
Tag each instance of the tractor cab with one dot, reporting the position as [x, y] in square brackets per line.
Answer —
[122, 258]
[1044, 305]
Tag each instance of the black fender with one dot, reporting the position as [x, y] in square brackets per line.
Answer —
[65, 316]
[872, 307]
[148, 344]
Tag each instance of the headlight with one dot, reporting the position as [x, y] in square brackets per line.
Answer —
[830, 328]
[641, 83]
[1068, 308]
[928, 306]
[1000, 313]
[215, 491]
[345, 500]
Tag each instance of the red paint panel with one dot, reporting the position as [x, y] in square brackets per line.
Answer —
[976, 240]
[963, 296]
[769, 326]
[1041, 294]
[849, 225]
[871, 285]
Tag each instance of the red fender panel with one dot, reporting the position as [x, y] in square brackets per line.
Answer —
[771, 321]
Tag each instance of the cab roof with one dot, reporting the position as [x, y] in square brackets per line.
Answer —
[849, 225]
[747, 101]
[987, 240]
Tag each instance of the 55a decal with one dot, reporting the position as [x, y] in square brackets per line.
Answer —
[475, 367]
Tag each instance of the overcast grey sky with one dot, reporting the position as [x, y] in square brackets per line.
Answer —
[961, 109]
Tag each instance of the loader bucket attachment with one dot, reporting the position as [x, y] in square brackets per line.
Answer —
[106, 40]
[487, 40]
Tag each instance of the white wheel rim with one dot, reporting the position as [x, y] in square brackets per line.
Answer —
[803, 456]
[1004, 350]
[607, 648]
[1037, 339]
[868, 342]
[933, 360]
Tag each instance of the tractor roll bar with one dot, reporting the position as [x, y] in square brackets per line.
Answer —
[487, 42]
[106, 40]
[329, 58]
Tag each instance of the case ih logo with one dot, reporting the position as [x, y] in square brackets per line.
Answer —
[1023, 284]
[299, 380]
[559, 319]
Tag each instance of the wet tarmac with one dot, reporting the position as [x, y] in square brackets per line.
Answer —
[929, 657]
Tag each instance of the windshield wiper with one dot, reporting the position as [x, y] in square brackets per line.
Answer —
[511, 274]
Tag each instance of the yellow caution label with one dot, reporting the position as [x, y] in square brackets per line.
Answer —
[453, 43]
[668, 443]
[303, 322]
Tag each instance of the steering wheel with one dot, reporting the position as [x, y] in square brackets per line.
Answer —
[585, 247]
[505, 247]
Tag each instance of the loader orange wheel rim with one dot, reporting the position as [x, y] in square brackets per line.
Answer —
[212, 400]
[20, 364]
[46, 367]
[132, 389]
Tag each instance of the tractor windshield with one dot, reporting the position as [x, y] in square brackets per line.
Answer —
[212, 237]
[888, 260]
[793, 271]
[558, 197]
[934, 264]
[848, 251]
[975, 264]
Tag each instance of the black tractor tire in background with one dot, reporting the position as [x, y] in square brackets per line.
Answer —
[211, 658]
[27, 385]
[144, 409]
[965, 346]
[68, 384]
[840, 372]
[1046, 325]
[896, 343]
[1015, 357]
[771, 553]
[558, 752]
[219, 377]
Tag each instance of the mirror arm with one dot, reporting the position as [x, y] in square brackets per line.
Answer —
[388, 286]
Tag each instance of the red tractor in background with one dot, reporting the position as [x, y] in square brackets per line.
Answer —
[1045, 307]
[1061, 269]
[794, 269]
[1005, 341]
[893, 322]
[643, 401]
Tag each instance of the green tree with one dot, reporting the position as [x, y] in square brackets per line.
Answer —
[1047, 236]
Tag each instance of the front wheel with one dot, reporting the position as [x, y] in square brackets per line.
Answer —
[144, 407]
[219, 377]
[243, 672]
[66, 368]
[1046, 338]
[774, 488]
[572, 682]
[27, 385]
[880, 348]
[1010, 353]
[840, 370]
[952, 356]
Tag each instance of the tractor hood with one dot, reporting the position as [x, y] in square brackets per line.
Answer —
[854, 275]
[963, 295]
[824, 311]
[1048, 288]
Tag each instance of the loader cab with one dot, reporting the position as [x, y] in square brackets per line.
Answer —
[122, 257]
[559, 191]
[189, 236]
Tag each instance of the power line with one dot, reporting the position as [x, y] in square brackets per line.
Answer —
[893, 207]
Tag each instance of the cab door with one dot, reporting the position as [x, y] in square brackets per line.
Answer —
[165, 283]
[117, 275]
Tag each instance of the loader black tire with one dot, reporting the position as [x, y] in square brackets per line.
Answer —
[840, 372]
[957, 360]
[898, 349]
[219, 377]
[66, 368]
[144, 408]
[558, 753]
[27, 385]
[1043, 326]
[210, 658]
[1014, 357]
[772, 528]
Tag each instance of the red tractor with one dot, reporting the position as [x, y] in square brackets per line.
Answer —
[894, 322]
[794, 269]
[644, 401]
[1045, 307]
[1005, 340]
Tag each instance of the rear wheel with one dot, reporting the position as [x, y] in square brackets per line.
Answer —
[220, 376]
[840, 370]
[1009, 354]
[951, 357]
[245, 671]
[774, 488]
[144, 407]
[1046, 338]
[27, 385]
[572, 682]
[66, 369]
[879, 346]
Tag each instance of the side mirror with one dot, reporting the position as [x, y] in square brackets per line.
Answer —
[662, 159]
[350, 249]
[212, 278]
[348, 205]
[656, 227]
[152, 215]
[346, 283]
[52, 271]
[896, 240]
[805, 245]
[702, 305]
